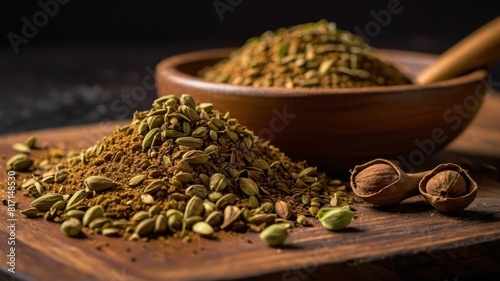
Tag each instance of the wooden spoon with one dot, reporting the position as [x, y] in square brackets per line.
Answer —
[479, 49]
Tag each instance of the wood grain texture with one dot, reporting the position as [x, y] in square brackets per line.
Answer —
[408, 241]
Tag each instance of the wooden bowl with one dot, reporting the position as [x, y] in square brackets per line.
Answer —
[336, 129]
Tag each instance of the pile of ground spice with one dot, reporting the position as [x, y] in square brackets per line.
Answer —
[308, 55]
[178, 167]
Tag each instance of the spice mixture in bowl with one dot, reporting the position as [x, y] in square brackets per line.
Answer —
[321, 94]
[307, 55]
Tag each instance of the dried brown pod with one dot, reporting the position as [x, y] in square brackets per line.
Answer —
[448, 188]
[382, 183]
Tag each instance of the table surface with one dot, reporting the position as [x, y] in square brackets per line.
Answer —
[407, 241]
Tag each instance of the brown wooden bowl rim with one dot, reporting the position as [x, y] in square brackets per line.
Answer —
[168, 67]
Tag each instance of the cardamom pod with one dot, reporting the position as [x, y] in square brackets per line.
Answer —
[335, 218]
[92, 213]
[199, 132]
[203, 228]
[217, 182]
[154, 186]
[71, 227]
[209, 207]
[190, 142]
[231, 215]
[196, 157]
[99, 183]
[161, 224]
[77, 214]
[189, 222]
[283, 209]
[215, 218]
[261, 164]
[32, 212]
[148, 139]
[21, 148]
[196, 190]
[110, 231]
[183, 177]
[99, 222]
[30, 141]
[301, 219]
[188, 101]
[211, 149]
[248, 186]
[154, 210]
[253, 202]
[226, 200]
[194, 207]
[76, 199]
[274, 235]
[136, 180]
[259, 219]
[145, 227]
[19, 162]
[207, 107]
[61, 176]
[214, 196]
[139, 216]
[189, 113]
[44, 202]
[175, 223]
[147, 199]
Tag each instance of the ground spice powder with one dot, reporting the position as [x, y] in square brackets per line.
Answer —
[178, 168]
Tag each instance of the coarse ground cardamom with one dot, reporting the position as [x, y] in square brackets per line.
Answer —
[312, 55]
[159, 185]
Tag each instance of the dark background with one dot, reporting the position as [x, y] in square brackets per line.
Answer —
[90, 53]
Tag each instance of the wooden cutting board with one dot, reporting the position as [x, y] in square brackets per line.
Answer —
[408, 241]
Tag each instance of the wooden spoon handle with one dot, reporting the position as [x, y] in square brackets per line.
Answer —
[479, 49]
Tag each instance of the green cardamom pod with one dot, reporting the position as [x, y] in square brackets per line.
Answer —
[196, 157]
[44, 202]
[99, 183]
[188, 101]
[145, 227]
[148, 139]
[32, 212]
[217, 182]
[274, 235]
[21, 147]
[183, 177]
[136, 180]
[161, 224]
[76, 199]
[77, 214]
[71, 227]
[30, 141]
[139, 216]
[91, 214]
[154, 186]
[335, 218]
[110, 231]
[215, 218]
[189, 141]
[203, 228]
[194, 207]
[196, 190]
[248, 186]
